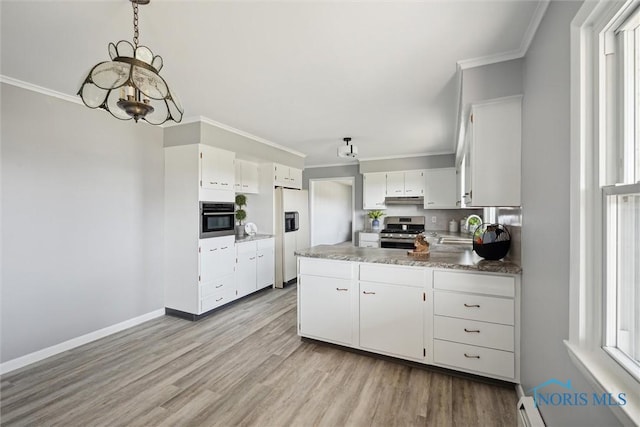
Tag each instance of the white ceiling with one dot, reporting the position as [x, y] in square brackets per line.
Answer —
[302, 74]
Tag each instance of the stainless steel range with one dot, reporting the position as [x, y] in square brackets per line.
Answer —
[400, 231]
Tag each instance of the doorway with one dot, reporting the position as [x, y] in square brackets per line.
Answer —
[331, 210]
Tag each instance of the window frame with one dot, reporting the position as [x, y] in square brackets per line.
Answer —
[591, 103]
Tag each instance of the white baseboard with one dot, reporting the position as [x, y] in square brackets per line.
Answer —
[36, 356]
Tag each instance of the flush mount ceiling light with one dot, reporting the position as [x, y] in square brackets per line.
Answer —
[347, 150]
[129, 86]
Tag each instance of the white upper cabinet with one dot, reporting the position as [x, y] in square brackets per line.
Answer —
[440, 189]
[246, 177]
[374, 190]
[217, 168]
[414, 183]
[287, 176]
[405, 183]
[395, 184]
[494, 147]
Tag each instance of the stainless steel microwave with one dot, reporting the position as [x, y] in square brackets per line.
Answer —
[217, 219]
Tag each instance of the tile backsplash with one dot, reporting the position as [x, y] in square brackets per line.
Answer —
[442, 216]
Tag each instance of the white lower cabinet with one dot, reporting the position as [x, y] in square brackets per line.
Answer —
[325, 308]
[391, 319]
[217, 272]
[459, 320]
[255, 265]
[476, 323]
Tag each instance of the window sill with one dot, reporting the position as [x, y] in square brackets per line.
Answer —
[606, 376]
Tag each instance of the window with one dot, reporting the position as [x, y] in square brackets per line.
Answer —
[620, 187]
[604, 330]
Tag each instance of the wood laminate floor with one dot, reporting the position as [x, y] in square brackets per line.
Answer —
[244, 365]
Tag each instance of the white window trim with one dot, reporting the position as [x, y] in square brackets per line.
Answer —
[585, 293]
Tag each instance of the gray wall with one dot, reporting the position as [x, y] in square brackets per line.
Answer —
[492, 81]
[245, 148]
[82, 221]
[545, 223]
[408, 163]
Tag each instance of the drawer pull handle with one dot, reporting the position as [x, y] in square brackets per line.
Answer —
[220, 299]
[368, 293]
[472, 305]
[211, 182]
[219, 286]
[214, 249]
[471, 357]
[472, 330]
[225, 247]
[342, 289]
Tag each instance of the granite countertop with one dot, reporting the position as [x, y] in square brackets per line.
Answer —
[440, 257]
[257, 236]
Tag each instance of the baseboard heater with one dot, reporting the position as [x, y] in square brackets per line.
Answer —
[528, 414]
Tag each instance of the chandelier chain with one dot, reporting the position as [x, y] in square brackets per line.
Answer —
[135, 23]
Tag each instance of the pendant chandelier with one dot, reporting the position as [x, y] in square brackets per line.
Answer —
[129, 86]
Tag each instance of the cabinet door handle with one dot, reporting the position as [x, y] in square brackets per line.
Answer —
[398, 191]
[211, 182]
[251, 258]
[342, 289]
[244, 185]
[260, 256]
[368, 293]
[225, 183]
[214, 249]
[472, 305]
[220, 299]
[225, 247]
[471, 356]
[219, 286]
[431, 203]
[472, 330]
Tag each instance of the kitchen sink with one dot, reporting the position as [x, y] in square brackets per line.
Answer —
[459, 241]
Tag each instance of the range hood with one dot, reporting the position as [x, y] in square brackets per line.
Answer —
[407, 200]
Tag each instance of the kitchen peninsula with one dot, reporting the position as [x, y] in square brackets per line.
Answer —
[453, 309]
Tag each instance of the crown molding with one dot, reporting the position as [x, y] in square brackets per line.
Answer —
[76, 100]
[43, 90]
[407, 156]
[202, 119]
[527, 38]
[332, 165]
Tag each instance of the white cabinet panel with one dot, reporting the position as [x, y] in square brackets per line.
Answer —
[217, 168]
[395, 184]
[246, 177]
[474, 307]
[440, 189]
[287, 176]
[495, 133]
[246, 273]
[391, 319]
[401, 275]
[265, 268]
[374, 190]
[488, 284]
[484, 334]
[477, 359]
[326, 268]
[217, 258]
[325, 308]
[414, 183]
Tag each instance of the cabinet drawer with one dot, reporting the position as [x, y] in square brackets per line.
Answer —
[392, 274]
[472, 332]
[369, 237]
[325, 268]
[217, 285]
[478, 359]
[477, 283]
[217, 299]
[474, 307]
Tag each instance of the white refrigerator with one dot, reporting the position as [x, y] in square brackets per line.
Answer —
[291, 231]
